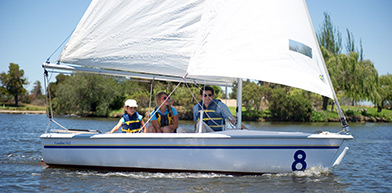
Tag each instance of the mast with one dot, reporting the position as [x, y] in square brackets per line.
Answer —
[239, 103]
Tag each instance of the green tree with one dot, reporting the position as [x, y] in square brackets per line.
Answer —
[182, 97]
[359, 79]
[3, 96]
[384, 97]
[370, 80]
[87, 95]
[330, 38]
[131, 89]
[13, 82]
[233, 94]
[334, 71]
[253, 96]
[60, 78]
[286, 106]
[37, 90]
[350, 45]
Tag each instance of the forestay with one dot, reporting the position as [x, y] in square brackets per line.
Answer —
[264, 40]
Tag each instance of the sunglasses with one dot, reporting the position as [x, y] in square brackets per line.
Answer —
[205, 95]
[164, 98]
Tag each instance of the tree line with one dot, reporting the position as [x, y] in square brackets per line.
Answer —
[354, 78]
[12, 87]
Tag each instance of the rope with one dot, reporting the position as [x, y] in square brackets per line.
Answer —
[49, 97]
[47, 60]
[47, 127]
[49, 100]
[149, 103]
[46, 88]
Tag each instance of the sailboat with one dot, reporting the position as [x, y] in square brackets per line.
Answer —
[218, 42]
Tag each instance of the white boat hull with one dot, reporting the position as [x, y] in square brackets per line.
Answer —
[238, 151]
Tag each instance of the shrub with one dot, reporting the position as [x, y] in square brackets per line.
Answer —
[349, 112]
[286, 107]
[318, 117]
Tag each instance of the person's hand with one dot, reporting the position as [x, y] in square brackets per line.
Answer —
[167, 129]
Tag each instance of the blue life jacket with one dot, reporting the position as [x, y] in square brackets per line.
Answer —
[163, 120]
[132, 123]
[214, 119]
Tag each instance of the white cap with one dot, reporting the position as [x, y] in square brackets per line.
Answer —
[130, 103]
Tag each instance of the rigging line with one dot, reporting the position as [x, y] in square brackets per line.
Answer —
[193, 96]
[47, 127]
[343, 120]
[51, 118]
[47, 60]
[49, 97]
[149, 103]
[59, 125]
[46, 98]
[148, 121]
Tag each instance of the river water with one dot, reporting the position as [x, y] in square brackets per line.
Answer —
[366, 167]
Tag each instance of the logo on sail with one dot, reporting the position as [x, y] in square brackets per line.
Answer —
[322, 77]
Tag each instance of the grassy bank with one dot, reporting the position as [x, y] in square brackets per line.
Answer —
[352, 113]
[367, 114]
[22, 107]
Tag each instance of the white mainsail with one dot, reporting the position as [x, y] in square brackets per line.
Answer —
[153, 37]
[272, 41]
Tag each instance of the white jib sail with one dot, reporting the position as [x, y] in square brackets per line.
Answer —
[272, 41]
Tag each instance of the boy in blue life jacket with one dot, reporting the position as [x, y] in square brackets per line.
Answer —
[164, 118]
[131, 121]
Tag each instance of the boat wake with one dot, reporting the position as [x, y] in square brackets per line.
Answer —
[310, 172]
[147, 175]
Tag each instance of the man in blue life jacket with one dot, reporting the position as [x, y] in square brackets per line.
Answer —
[215, 112]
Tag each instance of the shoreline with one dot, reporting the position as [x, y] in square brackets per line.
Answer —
[21, 112]
[350, 119]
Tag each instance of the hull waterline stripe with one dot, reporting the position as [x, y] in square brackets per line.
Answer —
[184, 147]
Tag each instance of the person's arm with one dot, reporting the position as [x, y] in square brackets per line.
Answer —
[226, 113]
[195, 112]
[173, 126]
[233, 122]
[170, 128]
[156, 126]
[143, 126]
[229, 116]
[115, 128]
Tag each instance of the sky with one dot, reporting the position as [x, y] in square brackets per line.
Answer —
[31, 30]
